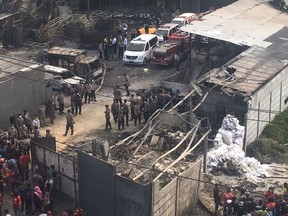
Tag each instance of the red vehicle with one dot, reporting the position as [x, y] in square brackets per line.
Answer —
[164, 54]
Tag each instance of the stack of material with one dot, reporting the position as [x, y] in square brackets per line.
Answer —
[228, 157]
[53, 29]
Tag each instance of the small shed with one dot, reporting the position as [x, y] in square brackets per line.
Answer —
[22, 86]
[65, 57]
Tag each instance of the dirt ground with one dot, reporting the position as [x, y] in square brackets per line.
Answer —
[92, 122]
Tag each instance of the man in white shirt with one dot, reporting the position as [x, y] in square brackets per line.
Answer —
[36, 126]
[125, 43]
[114, 45]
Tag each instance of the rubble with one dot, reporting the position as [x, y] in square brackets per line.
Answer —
[227, 155]
[159, 151]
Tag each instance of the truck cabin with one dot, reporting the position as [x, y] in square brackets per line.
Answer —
[90, 68]
[184, 19]
[65, 57]
[164, 54]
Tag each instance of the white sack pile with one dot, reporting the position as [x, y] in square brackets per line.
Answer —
[228, 154]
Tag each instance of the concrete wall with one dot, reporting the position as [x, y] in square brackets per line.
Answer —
[131, 198]
[179, 196]
[265, 103]
[19, 93]
[102, 192]
[96, 185]
[165, 199]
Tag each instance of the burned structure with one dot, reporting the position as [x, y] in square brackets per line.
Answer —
[253, 85]
[11, 29]
[155, 171]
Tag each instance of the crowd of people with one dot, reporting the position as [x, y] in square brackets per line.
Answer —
[244, 204]
[31, 194]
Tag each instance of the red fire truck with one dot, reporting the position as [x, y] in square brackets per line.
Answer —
[164, 54]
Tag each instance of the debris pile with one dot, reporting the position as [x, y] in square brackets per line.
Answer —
[228, 157]
[161, 150]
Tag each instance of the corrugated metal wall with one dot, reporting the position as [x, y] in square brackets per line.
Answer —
[265, 104]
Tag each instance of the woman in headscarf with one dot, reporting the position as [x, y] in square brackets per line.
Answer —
[37, 198]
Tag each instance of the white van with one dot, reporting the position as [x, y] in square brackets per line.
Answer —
[184, 19]
[139, 50]
[166, 29]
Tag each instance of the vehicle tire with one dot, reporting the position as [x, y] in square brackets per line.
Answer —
[144, 61]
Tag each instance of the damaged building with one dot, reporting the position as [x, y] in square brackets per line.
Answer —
[155, 171]
[253, 86]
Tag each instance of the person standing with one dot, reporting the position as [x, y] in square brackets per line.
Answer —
[37, 198]
[132, 105]
[126, 112]
[61, 103]
[177, 61]
[17, 204]
[217, 198]
[88, 88]
[36, 126]
[110, 48]
[51, 107]
[107, 117]
[120, 47]
[24, 161]
[158, 22]
[78, 104]
[93, 91]
[27, 121]
[114, 45]
[137, 113]
[126, 84]
[41, 114]
[114, 110]
[69, 122]
[120, 118]
[100, 50]
[117, 94]
[125, 43]
[146, 110]
[72, 101]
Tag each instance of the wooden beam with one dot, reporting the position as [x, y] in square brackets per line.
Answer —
[183, 155]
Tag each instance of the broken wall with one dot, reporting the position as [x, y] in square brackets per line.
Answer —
[265, 104]
[218, 104]
[180, 195]
[102, 192]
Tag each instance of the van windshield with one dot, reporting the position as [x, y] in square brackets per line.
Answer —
[161, 32]
[179, 22]
[138, 47]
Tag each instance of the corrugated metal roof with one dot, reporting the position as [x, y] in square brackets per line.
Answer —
[254, 68]
[65, 51]
[9, 66]
[245, 22]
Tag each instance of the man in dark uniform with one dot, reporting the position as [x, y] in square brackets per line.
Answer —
[78, 104]
[107, 117]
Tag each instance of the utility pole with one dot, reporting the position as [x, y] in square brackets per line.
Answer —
[88, 6]
[205, 154]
